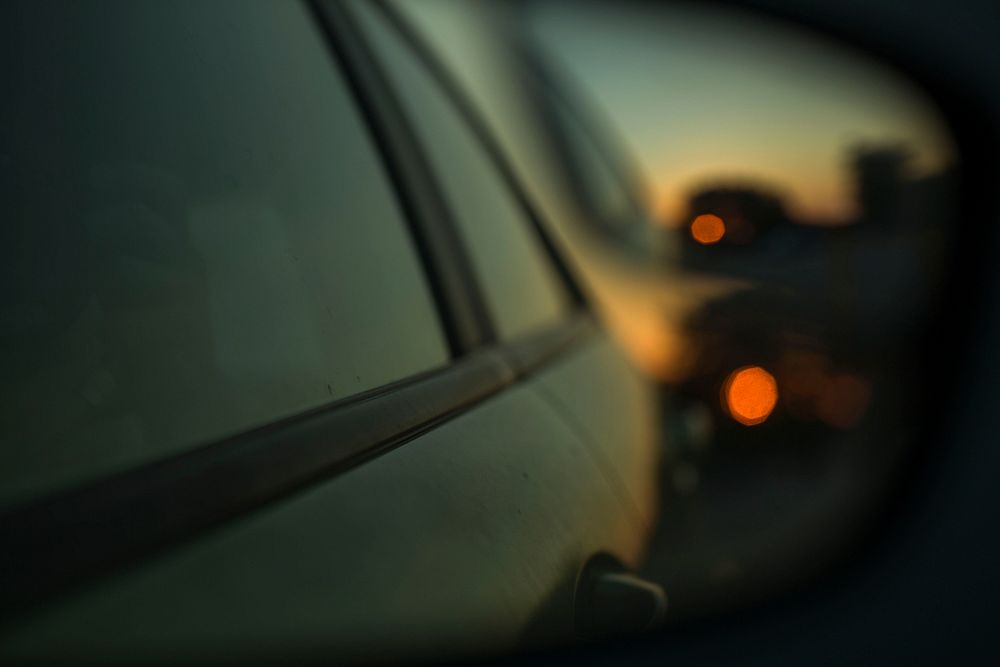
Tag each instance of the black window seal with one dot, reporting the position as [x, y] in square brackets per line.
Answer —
[453, 283]
[495, 153]
[66, 539]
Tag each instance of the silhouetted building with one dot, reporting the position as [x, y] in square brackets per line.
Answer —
[880, 175]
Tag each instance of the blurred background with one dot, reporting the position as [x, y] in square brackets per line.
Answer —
[824, 183]
[763, 216]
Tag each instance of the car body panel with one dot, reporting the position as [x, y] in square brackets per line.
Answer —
[468, 537]
[456, 539]
[617, 415]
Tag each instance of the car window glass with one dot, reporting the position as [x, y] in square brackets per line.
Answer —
[521, 286]
[199, 238]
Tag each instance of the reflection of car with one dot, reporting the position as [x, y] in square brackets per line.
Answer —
[292, 366]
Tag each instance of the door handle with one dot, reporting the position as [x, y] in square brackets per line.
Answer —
[612, 601]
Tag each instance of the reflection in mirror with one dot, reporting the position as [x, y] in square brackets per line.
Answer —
[810, 184]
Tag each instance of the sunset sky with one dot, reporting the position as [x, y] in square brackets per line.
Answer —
[702, 95]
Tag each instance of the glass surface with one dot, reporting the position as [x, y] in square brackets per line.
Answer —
[198, 239]
[519, 281]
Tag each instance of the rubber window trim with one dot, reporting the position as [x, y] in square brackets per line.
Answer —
[446, 263]
[480, 128]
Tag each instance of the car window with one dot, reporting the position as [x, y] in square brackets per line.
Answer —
[520, 283]
[199, 237]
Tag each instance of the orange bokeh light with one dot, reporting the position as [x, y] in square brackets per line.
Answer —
[750, 394]
[708, 229]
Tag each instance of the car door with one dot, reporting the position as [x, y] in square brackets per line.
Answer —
[275, 397]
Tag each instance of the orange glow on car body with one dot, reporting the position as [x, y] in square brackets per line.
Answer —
[750, 395]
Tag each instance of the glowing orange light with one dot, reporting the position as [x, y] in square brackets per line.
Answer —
[708, 229]
[750, 394]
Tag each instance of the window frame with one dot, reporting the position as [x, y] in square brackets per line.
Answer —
[454, 285]
[476, 123]
[126, 517]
